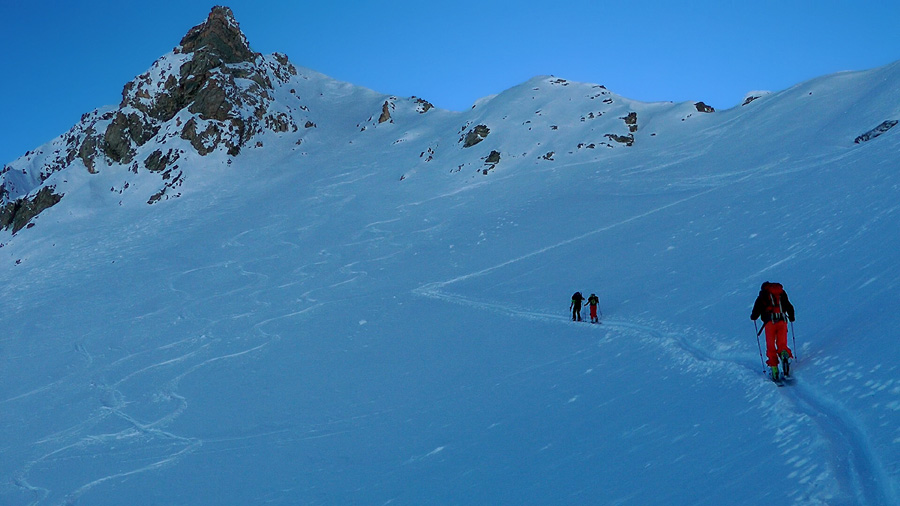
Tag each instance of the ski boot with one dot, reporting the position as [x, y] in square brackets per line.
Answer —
[785, 363]
[775, 375]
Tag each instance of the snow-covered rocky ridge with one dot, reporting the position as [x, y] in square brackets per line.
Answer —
[360, 298]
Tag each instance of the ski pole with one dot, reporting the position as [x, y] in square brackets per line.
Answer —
[794, 341]
[759, 346]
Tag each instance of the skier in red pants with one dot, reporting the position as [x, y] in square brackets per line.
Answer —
[593, 302]
[773, 306]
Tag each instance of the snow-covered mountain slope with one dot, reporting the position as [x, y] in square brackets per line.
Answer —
[356, 298]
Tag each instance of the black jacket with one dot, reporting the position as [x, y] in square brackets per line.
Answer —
[577, 298]
[767, 303]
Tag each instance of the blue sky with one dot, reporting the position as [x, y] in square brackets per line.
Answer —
[61, 59]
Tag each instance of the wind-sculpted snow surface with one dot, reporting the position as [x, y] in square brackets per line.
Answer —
[376, 314]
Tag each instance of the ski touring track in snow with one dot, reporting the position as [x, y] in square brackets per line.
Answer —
[859, 473]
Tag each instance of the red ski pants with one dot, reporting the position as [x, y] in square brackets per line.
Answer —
[776, 340]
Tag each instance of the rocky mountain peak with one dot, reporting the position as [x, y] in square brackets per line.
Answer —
[212, 93]
[221, 36]
[214, 87]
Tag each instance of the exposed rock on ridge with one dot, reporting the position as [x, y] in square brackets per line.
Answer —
[385, 112]
[18, 213]
[877, 131]
[221, 36]
[216, 88]
[212, 91]
[475, 135]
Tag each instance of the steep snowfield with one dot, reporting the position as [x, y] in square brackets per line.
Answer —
[368, 318]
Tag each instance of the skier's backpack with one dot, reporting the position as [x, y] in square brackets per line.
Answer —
[577, 297]
[775, 291]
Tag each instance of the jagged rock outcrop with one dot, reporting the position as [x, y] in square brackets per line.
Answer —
[631, 121]
[385, 112]
[475, 135]
[17, 214]
[157, 161]
[875, 132]
[124, 133]
[422, 105]
[627, 140]
[490, 162]
[212, 91]
[219, 36]
[701, 107]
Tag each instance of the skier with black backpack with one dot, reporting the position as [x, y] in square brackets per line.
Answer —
[773, 306]
[575, 306]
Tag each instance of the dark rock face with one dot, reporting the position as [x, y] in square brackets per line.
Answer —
[221, 36]
[385, 112]
[213, 91]
[88, 150]
[157, 161]
[17, 214]
[475, 135]
[627, 140]
[422, 105]
[124, 132]
[631, 121]
[701, 107]
[875, 132]
[211, 85]
[204, 83]
[749, 99]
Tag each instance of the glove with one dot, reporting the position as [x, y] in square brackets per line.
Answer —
[791, 319]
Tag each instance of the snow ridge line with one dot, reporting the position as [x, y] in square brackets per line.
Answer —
[863, 478]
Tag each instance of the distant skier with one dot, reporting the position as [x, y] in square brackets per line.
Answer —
[593, 302]
[575, 307]
[773, 306]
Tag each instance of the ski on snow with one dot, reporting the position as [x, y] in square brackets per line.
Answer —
[783, 375]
